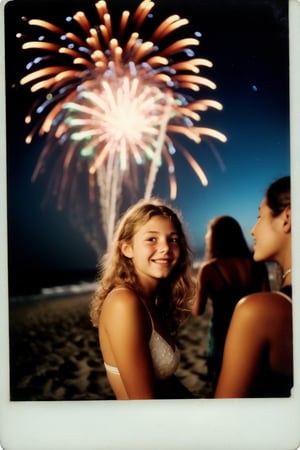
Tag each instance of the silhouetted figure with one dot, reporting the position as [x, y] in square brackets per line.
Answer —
[227, 274]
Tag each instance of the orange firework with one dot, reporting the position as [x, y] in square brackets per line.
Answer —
[115, 102]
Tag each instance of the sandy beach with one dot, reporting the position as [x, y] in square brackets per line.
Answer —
[54, 352]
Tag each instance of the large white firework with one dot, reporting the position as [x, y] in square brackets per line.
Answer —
[109, 104]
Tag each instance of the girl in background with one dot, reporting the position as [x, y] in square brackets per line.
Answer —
[227, 274]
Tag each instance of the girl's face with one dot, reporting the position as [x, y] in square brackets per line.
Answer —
[268, 234]
[154, 249]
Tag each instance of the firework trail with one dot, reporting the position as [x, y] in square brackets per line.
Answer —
[110, 104]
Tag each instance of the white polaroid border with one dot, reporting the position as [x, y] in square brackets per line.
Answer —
[263, 424]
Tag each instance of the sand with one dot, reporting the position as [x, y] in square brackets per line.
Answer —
[54, 352]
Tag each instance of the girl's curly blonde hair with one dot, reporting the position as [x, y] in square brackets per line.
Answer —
[175, 293]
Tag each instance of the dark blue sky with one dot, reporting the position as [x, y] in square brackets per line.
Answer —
[248, 43]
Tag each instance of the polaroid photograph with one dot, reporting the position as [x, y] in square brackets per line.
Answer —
[115, 116]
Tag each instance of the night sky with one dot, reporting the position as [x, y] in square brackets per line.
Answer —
[248, 43]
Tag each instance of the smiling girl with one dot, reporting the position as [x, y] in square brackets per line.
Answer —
[144, 290]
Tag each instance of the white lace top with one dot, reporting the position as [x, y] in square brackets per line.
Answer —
[165, 360]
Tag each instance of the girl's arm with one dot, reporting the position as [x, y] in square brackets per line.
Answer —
[201, 291]
[128, 329]
[245, 343]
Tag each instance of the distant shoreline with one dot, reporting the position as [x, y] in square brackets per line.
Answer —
[87, 284]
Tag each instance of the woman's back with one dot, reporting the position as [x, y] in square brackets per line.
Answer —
[239, 271]
[225, 281]
[230, 279]
[275, 377]
[262, 326]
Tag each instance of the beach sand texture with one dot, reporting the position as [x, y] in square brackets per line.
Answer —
[54, 352]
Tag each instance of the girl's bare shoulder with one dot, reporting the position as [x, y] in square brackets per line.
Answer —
[207, 266]
[123, 308]
[120, 298]
[263, 302]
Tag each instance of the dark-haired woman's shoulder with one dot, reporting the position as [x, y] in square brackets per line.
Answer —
[205, 269]
[263, 307]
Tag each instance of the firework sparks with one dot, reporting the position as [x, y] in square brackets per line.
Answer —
[113, 103]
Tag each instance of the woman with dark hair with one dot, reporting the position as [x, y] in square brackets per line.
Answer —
[227, 274]
[258, 354]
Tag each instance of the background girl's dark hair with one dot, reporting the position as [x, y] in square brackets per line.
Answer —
[226, 239]
[278, 195]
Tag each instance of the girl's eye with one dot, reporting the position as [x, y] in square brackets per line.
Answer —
[151, 239]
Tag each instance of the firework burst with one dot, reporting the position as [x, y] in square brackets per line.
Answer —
[108, 104]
